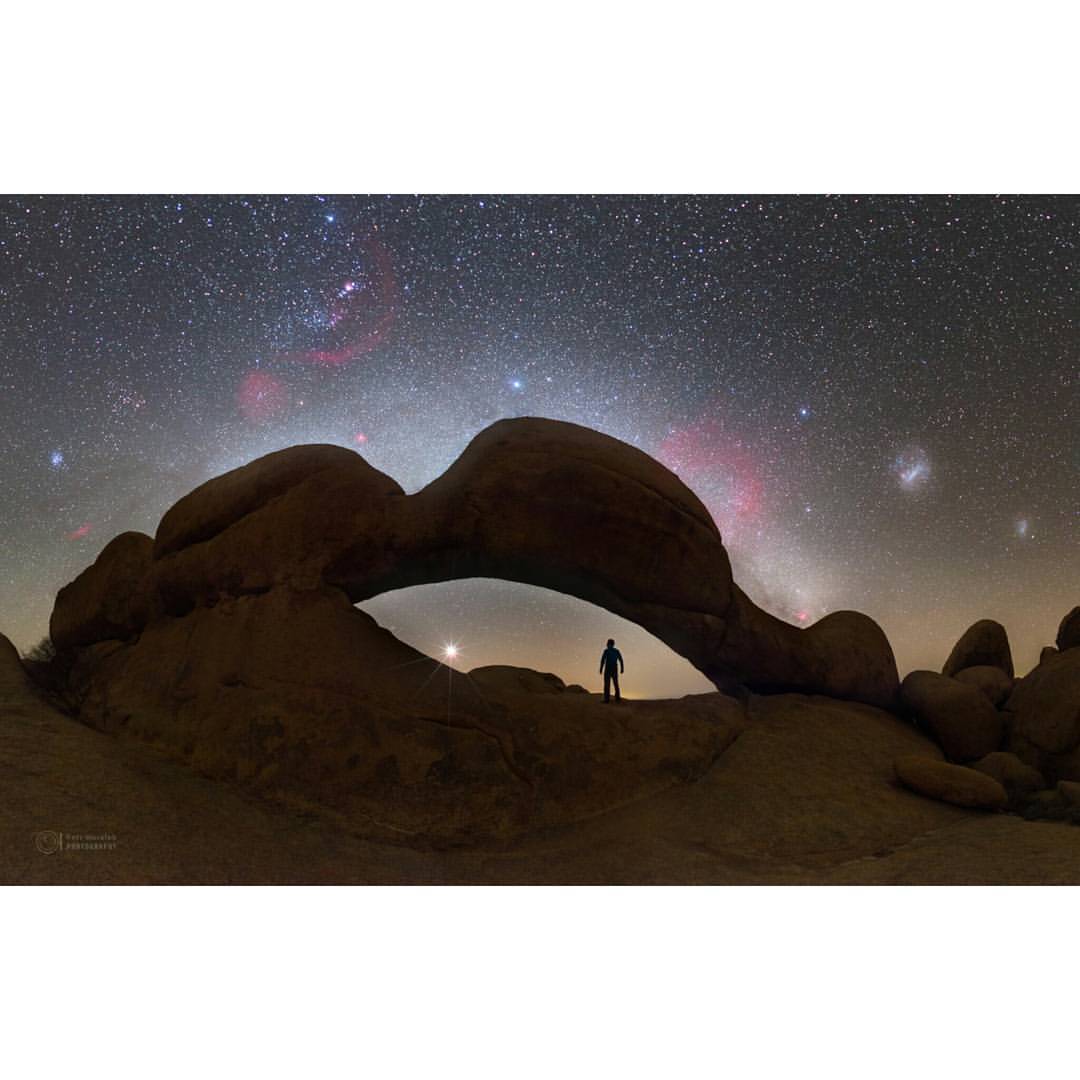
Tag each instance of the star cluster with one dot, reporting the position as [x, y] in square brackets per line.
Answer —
[876, 398]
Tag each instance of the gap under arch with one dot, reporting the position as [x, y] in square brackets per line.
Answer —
[494, 621]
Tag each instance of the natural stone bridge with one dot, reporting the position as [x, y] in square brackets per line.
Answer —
[538, 501]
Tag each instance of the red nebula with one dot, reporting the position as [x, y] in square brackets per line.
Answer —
[360, 438]
[361, 311]
[802, 616]
[261, 396]
[716, 466]
[80, 532]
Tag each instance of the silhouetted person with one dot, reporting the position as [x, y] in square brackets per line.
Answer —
[610, 663]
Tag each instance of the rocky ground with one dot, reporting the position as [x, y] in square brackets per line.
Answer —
[804, 794]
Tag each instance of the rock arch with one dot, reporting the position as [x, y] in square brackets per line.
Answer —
[539, 501]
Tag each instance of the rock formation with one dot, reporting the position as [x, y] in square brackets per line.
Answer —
[302, 698]
[109, 600]
[1020, 781]
[806, 794]
[983, 643]
[992, 681]
[1070, 792]
[951, 783]
[958, 715]
[538, 501]
[230, 640]
[13, 677]
[1043, 716]
[1068, 635]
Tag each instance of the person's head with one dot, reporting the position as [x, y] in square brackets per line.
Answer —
[610, 642]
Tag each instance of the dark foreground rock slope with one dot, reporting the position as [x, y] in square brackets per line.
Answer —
[806, 794]
[298, 696]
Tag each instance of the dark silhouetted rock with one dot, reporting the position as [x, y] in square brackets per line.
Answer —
[1069, 791]
[110, 599]
[501, 678]
[1046, 805]
[301, 698]
[212, 507]
[959, 716]
[954, 784]
[1020, 781]
[539, 501]
[983, 643]
[1068, 635]
[844, 655]
[1043, 713]
[992, 681]
[1047, 652]
[806, 794]
[12, 673]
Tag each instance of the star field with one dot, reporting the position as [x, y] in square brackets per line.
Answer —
[875, 397]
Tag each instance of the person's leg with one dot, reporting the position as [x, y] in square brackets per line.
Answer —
[607, 686]
[615, 676]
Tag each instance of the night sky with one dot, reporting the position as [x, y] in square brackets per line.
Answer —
[876, 398]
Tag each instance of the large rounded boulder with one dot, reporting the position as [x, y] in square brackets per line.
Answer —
[279, 520]
[959, 716]
[950, 783]
[1020, 781]
[992, 681]
[1068, 635]
[1043, 713]
[110, 599]
[983, 643]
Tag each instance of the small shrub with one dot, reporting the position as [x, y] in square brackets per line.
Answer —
[50, 669]
[44, 652]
